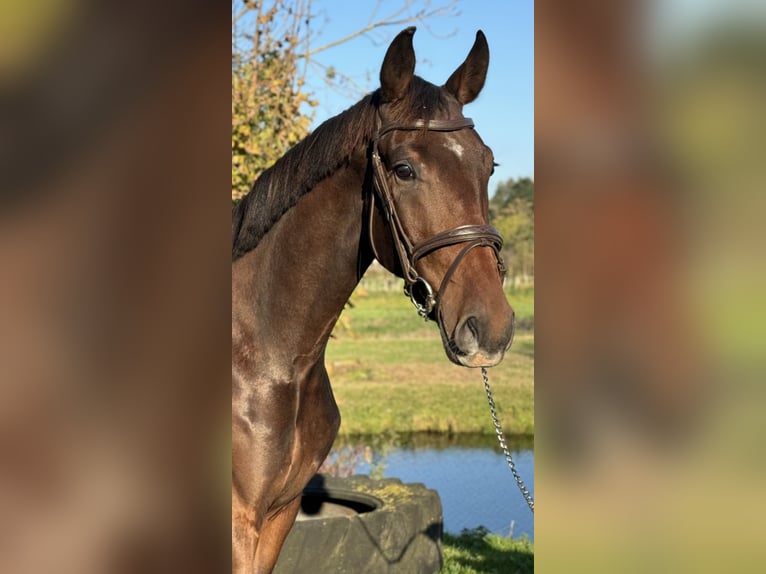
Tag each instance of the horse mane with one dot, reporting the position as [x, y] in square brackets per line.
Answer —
[318, 156]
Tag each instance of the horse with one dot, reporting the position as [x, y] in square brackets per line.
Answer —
[401, 177]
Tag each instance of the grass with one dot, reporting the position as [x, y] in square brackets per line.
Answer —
[390, 374]
[479, 552]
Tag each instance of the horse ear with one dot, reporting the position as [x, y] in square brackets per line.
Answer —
[466, 82]
[398, 66]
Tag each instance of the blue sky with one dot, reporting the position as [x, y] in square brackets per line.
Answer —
[503, 113]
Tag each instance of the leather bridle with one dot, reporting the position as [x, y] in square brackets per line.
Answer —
[425, 299]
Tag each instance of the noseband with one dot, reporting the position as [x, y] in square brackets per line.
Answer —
[419, 290]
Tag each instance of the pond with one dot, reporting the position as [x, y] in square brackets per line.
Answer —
[469, 472]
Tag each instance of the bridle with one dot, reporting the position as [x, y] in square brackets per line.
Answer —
[423, 296]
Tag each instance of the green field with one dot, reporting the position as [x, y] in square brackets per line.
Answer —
[390, 374]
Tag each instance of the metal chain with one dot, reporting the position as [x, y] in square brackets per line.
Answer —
[501, 439]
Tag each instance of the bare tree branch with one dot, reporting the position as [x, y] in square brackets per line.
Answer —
[239, 15]
[351, 88]
[391, 20]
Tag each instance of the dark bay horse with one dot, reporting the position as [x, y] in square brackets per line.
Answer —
[401, 176]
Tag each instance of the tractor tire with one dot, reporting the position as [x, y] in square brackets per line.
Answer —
[359, 525]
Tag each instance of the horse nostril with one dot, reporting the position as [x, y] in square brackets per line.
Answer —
[467, 336]
[472, 324]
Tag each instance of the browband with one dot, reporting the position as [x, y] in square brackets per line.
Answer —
[427, 125]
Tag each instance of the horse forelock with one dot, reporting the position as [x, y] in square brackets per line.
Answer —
[423, 100]
[318, 156]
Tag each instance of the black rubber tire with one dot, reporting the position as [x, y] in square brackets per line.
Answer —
[388, 527]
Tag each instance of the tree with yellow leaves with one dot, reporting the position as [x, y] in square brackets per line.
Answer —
[271, 107]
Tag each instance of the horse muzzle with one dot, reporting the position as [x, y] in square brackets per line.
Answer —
[474, 343]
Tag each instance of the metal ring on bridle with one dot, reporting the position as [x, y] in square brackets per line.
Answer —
[424, 309]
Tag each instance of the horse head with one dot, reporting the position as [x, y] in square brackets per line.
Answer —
[429, 213]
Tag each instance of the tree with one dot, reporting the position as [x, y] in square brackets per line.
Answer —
[272, 52]
[267, 86]
[508, 191]
[512, 213]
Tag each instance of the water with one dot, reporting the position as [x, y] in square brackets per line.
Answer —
[470, 474]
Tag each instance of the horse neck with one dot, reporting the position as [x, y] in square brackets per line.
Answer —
[292, 287]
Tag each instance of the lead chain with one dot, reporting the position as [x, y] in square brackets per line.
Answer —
[501, 439]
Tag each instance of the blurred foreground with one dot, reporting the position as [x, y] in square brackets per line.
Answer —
[114, 241]
[650, 279]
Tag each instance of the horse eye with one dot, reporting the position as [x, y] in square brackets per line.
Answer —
[404, 171]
